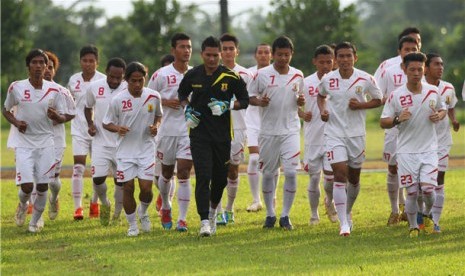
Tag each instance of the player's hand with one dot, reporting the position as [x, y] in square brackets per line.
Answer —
[264, 101]
[122, 130]
[354, 104]
[153, 130]
[324, 115]
[404, 115]
[52, 114]
[301, 100]
[456, 125]
[92, 130]
[192, 117]
[306, 116]
[218, 107]
[21, 126]
[435, 117]
[172, 103]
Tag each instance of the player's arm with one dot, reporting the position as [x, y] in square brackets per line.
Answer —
[91, 129]
[321, 102]
[154, 127]
[242, 96]
[20, 125]
[453, 119]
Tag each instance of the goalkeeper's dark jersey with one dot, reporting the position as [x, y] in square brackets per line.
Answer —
[222, 85]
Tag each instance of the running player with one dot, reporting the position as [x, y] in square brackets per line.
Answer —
[81, 139]
[98, 97]
[278, 90]
[135, 114]
[415, 108]
[173, 146]
[342, 101]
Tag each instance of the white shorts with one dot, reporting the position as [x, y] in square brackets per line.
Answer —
[389, 151]
[81, 146]
[59, 152]
[103, 161]
[314, 159]
[171, 148]
[443, 157]
[341, 149]
[35, 165]
[237, 147]
[414, 168]
[252, 137]
[284, 149]
[130, 168]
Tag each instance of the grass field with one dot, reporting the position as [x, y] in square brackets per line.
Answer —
[244, 248]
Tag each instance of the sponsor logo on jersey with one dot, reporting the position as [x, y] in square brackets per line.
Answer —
[224, 86]
[196, 86]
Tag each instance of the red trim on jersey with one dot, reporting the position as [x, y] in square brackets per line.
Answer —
[294, 77]
[358, 79]
[149, 97]
[433, 171]
[360, 154]
[48, 92]
[295, 155]
[445, 89]
[444, 157]
[427, 95]
[51, 168]
[151, 166]
[242, 72]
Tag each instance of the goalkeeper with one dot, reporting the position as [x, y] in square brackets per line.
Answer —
[206, 93]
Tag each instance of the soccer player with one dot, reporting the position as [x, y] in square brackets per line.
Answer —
[229, 52]
[38, 104]
[415, 108]
[314, 154]
[278, 90]
[135, 114]
[252, 121]
[342, 101]
[434, 67]
[166, 60]
[206, 93]
[81, 139]
[98, 98]
[392, 78]
[173, 141]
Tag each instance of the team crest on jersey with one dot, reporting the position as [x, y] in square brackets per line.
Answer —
[224, 86]
[295, 87]
[150, 107]
[448, 100]
[358, 90]
[432, 104]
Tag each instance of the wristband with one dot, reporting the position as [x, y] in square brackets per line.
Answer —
[231, 105]
[396, 121]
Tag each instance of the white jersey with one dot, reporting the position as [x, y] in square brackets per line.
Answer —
[313, 130]
[78, 88]
[166, 81]
[59, 136]
[343, 121]
[386, 64]
[31, 106]
[137, 114]
[98, 97]
[252, 113]
[238, 116]
[417, 134]
[463, 91]
[280, 117]
[447, 92]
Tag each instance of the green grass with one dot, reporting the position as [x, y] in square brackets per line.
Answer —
[85, 247]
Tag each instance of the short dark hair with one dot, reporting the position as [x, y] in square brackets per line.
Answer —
[282, 42]
[133, 67]
[89, 49]
[229, 37]
[408, 31]
[261, 44]
[406, 39]
[168, 58]
[345, 45]
[178, 36]
[52, 57]
[211, 41]
[418, 56]
[429, 57]
[323, 50]
[116, 62]
[35, 53]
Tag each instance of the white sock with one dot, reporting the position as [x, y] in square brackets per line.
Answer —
[212, 213]
[219, 208]
[39, 206]
[401, 194]
[289, 190]
[101, 192]
[143, 208]
[340, 201]
[77, 184]
[314, 193]
[33, 197]
[254, 176]
[172, 188]
[393, 192]
[328, 181]
[231, 189]
[438, 204]
[184, 197]
[420, 203]
[165, 185]
[427, 192]
[268, 189]
[352, 194]
[118, 196]
[95, 196]
[23, 198]
[132, 220]
[411, 207]
[276, 182]
[55, 187]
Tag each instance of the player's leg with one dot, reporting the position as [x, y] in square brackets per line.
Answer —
[392, 182]
[184, 191]
[428, 183]
[102, 164]
[164, 185]
[125, 174]
[312, 165]
[328, 182]
[145, 198]
[253, 172]
[81, 148]
[443, 163]
[269, 163]
[55, 185]
[236, 158]
[24, 180]
[356, 151]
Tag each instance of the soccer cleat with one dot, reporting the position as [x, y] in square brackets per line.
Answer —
[78, 214]
[30, 207]
[403, 214]
[314, 221]
[212, 220]
[221, 219]
[105, 212]
[436, 229]
[181, 226]
[255, 207]
[133, 232]
[33, 228]
[53, 209]
[229, 216]
[205, 230]
[330, 211]
[166, 221]
[413, 233]
[429, 224]
[40, 223]
[20, 216]
[269, 222]
[345, 230]
[420, 221]
[285, 222]
[93, 210]
[145, 223]
[394, 219]
[158, 203]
